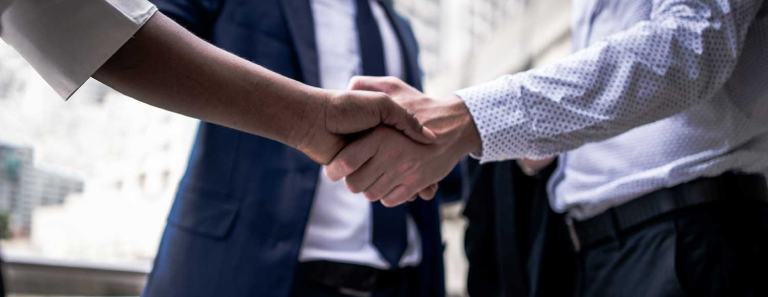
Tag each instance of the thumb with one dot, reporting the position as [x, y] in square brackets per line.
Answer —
[356, 111]
[398, 117]
[394, 114]
[382, 84]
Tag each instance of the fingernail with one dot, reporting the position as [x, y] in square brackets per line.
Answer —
[428, 133]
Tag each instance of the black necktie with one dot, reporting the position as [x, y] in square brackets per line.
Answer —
[389, 228]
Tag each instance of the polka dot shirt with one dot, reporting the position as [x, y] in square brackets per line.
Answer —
[657, 93]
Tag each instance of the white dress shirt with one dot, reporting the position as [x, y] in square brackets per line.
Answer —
[340, 223]
[66, 41]
[658, 93]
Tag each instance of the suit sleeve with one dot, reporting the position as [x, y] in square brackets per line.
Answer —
[197, 16]
[66, 41]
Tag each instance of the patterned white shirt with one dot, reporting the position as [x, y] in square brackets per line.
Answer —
[657, 93]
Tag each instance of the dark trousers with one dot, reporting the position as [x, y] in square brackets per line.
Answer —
[406, 288]
[516, 245]
[715, 249]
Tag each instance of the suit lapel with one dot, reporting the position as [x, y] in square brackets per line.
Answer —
[407, 43]
[298, 15]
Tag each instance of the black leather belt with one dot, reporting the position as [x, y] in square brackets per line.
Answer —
[351, 277]
[652, 205]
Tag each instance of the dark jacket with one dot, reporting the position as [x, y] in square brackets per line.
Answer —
[516, 245]
[239, 217]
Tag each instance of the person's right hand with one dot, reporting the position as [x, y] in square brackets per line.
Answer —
[343, 113]
[386, 167]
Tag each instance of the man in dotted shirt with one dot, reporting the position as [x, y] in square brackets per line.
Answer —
[660, 119]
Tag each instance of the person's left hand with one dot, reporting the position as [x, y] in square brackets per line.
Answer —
[387, 166]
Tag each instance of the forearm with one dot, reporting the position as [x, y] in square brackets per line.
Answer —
[167, 67]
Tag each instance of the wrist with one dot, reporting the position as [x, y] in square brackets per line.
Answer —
[469, 140]
[312, 111]
[456, 130]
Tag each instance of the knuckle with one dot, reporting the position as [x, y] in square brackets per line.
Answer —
[391, 83]
[406, 166]
[393, 155]
[339, 97]
[345, 164]
[382, 102]
[353, 184]
[382, 98]
[411, 190]
[375, 192]
[368, 195]
[354, 178]
[352, 188]
[355, 82]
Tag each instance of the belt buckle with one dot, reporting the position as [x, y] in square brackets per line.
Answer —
[573, 234]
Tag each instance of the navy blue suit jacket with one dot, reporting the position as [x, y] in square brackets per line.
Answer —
[239, 217]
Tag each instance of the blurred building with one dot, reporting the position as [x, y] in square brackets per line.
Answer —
[450, 30]
[466, 42]
[24, 187]
[134, 156]
[128, 156]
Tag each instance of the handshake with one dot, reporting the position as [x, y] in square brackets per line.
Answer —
[388, 140]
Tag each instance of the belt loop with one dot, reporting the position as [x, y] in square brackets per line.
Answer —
[614, 229]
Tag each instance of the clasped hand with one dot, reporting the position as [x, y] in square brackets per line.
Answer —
[387, 166]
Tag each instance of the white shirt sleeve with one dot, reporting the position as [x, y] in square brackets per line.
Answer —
[66, 41]
[680, 57]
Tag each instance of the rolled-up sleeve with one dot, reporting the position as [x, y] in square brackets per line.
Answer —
[66, 41]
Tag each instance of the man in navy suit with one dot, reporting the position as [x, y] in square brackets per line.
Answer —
[254, 217]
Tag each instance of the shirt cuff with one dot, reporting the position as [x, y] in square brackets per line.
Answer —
[501, 119]
[67, 41]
